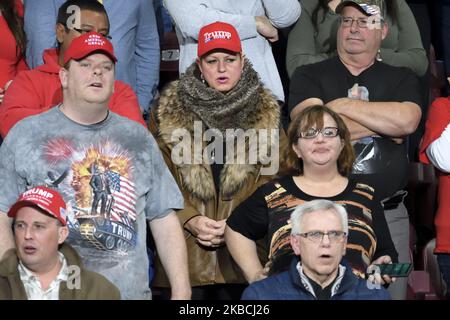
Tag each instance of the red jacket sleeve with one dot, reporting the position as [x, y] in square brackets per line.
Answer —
[125, 103]
[21, 100]
[437, 121]
[22, 65]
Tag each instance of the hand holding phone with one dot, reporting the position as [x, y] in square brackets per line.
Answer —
[395, 269]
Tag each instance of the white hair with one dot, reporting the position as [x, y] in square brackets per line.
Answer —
[317, 205]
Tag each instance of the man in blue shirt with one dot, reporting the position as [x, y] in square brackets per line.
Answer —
[319, 237]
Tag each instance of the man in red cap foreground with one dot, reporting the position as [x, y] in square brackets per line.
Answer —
[68, 145]
[43, 266]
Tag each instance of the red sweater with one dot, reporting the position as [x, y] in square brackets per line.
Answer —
[35, 91]
[438, 119]
[11, 61]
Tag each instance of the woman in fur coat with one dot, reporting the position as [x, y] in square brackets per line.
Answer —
[219, 131]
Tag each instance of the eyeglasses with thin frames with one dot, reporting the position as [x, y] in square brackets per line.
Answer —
[327, 132]
[362, 23]
[316, 236]
[83, 31]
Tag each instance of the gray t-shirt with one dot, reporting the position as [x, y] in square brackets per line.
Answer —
[112, 177]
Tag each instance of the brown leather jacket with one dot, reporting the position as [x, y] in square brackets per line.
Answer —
[237, 183]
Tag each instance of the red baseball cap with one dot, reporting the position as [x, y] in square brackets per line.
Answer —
[45, 198]
[88, 43]
[218, 35]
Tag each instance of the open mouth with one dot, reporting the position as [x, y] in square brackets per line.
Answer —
[96, 85]
[222, 79]
[29, 250]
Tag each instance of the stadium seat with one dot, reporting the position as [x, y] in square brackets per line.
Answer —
[421, 200]
[431, 266]
[438, 78]
[170, 56]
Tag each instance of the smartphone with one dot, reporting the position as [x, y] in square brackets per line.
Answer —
[395, 269]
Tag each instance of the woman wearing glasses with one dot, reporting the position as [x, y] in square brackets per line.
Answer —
[321, 158]
[313, 38]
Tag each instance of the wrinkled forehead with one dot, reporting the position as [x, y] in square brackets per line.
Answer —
[322, 220]
[93, 18]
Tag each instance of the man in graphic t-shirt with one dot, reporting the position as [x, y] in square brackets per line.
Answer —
[379, 104]
[67, 142]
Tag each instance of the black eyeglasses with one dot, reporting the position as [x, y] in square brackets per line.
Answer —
[362, 23]
[83, 31]
[317, 236]
[327, 132]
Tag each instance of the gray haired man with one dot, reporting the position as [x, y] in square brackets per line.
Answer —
[319, 238]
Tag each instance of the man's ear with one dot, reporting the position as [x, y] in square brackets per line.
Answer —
[384, 30]
[63, 77]
[295, 244]
[60, 30]
[345, 247]
[63, 233]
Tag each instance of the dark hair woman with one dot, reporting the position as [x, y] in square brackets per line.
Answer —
[12, 50]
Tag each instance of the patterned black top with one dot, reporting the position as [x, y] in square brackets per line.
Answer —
[266, 214]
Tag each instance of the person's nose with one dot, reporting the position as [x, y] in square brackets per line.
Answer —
[28, 233]
[325, 241]
[354, 26]
[221, 66]
[97, 70]
[319, 138]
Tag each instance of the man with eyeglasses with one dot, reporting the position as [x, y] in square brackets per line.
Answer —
[379, 103]
[38, 90]
[318, 238]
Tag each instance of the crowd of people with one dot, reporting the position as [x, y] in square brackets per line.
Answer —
[204, 190]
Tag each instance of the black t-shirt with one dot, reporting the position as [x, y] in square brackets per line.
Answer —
[267, 212]
[328, 80]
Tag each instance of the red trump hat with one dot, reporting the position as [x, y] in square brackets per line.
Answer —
[218, 35]
[88, 43]
[46, 199]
